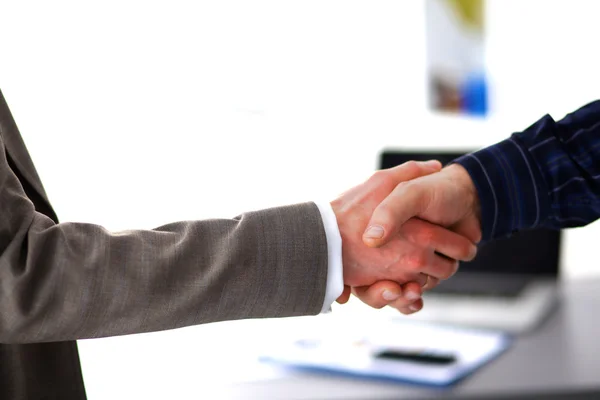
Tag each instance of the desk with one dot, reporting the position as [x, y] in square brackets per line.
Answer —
[563, 354]
[218, 361]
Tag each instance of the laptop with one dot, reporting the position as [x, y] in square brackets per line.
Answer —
[511, 285]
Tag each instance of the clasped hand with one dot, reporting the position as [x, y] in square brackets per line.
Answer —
[405, 229]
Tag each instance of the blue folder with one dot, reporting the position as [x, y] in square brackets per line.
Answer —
[418, 353]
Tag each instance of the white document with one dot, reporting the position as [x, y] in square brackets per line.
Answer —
[421, 353]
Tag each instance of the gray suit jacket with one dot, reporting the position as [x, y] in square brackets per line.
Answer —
[65, 281]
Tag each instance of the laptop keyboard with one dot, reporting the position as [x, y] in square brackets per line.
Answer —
[483, 285]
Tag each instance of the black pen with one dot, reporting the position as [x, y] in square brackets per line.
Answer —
[416, 356]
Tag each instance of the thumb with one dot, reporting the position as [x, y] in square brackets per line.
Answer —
[406, 201]
[412, 169]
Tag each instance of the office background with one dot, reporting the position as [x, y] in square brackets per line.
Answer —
[269, 102]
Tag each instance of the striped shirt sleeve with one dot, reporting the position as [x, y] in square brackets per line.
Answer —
[547, 175]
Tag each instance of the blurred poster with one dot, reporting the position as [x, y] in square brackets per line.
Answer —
[455, 56]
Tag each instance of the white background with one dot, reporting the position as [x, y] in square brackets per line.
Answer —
[139, 113]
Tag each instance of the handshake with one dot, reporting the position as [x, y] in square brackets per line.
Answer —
[405, 229]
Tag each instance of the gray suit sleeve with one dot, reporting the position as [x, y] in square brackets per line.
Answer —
[75, 280]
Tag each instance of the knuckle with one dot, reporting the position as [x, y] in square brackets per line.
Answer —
[427, 236]
[411, 167]
[415, 261]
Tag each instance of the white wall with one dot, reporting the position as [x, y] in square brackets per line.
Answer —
[138, 113]
[299, 96]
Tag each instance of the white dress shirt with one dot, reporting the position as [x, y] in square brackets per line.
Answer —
[335, 278]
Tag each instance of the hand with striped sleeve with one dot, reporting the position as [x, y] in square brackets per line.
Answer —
[545, 176]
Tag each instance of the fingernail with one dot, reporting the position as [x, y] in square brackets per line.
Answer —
[374, 232]
[389, 295]
[410, 295]
[473, 252]
[413, 308]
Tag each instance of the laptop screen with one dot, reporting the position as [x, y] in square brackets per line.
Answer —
[533, 251]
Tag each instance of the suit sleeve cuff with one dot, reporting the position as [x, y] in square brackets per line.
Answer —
[335, 278]
[510, 188]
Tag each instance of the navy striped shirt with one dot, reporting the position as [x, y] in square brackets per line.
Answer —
[547, 175]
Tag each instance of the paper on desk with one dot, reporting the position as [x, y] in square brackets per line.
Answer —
[351, 350]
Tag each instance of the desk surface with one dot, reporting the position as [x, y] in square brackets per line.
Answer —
[220, 361]
[563, 354]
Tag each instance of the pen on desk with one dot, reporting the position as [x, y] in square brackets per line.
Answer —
[416, 356]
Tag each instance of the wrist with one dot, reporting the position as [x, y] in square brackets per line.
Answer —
[467, 188]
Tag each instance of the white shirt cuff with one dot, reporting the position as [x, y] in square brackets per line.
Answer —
[335, 278]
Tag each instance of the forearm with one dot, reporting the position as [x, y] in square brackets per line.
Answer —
[73, 281]
[547, 175]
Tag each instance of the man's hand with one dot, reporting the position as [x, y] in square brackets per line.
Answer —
[412, 251]
[447, 198]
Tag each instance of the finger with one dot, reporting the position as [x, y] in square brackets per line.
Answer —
[469, 228]
[440, 267]
[442, 240]
[383, 293]
[431, 283]
[345, 296]
[379, 294]
[421, 261]
[397, 176]
[411, 293]
[413, 169]
[412, 308]
[422, 279]
[404, 202]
